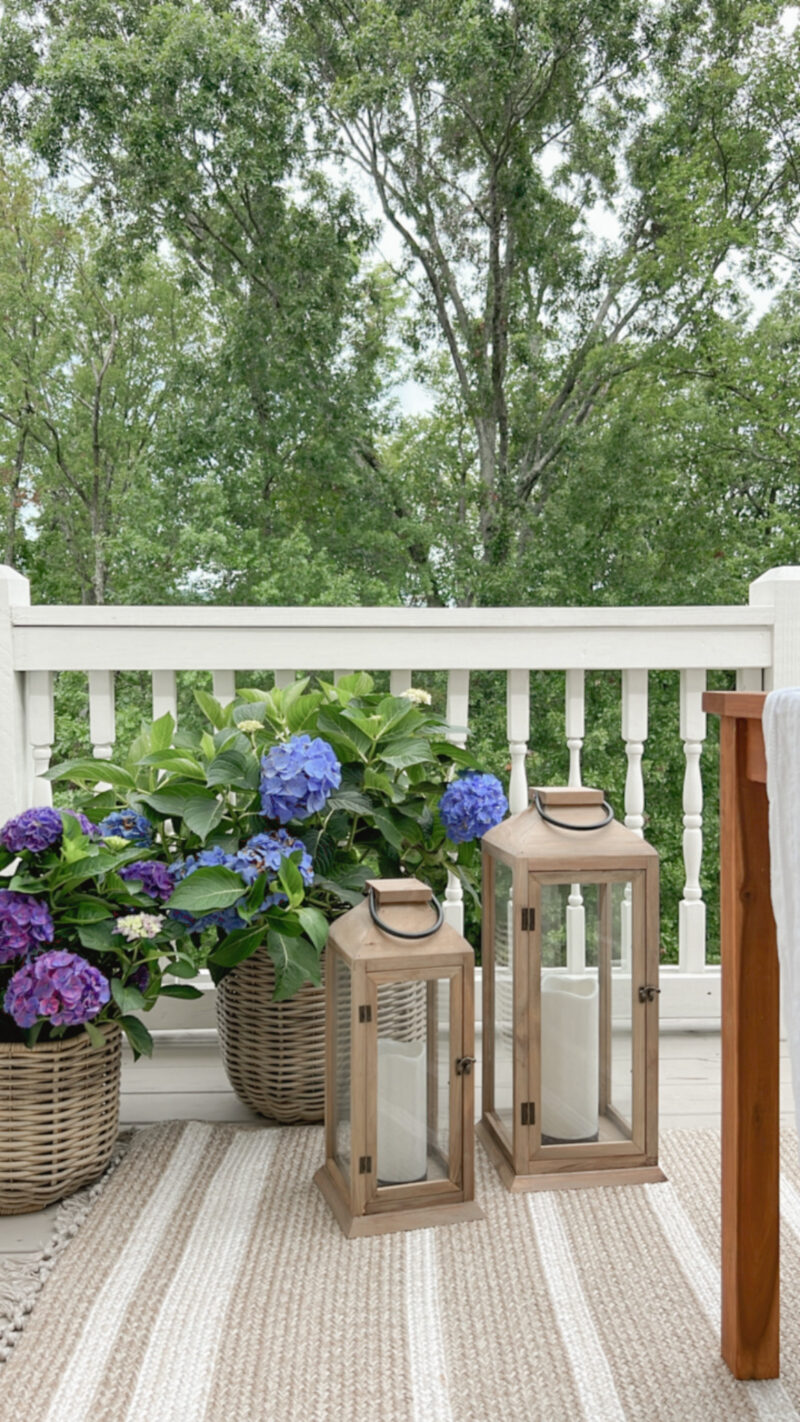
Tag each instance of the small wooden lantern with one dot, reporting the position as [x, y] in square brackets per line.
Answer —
[570, 984]
[399, 1087]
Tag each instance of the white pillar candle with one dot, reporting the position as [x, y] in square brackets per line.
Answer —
[402, 1112]
[570, 1056]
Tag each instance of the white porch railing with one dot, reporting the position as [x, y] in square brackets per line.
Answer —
[760, 642]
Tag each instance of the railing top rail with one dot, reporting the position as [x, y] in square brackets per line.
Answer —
[422, 618]
[386, 638]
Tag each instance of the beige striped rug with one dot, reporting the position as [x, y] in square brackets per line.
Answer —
[209, 1281]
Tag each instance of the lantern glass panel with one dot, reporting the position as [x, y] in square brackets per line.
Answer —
[413, 1087]
[342, 1007]
[504, 949]
[586, 1013]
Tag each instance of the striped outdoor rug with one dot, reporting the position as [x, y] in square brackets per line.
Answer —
[209, 1281]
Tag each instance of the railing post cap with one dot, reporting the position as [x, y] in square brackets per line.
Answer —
[15, 590]
[761, 589]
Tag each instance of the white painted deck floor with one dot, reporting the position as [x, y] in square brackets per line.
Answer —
[185, 1080]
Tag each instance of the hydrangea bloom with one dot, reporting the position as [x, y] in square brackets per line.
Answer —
[417, 694]
[471, 805]
[297, 777]
[139, 925]
[25, 924]
[59, 986]
[126, 824]
[34, 830]
[263, 854]
[85, 824]
[227, 919]
[154, 876]
[140, 978]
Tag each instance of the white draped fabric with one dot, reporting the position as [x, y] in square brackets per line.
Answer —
[782, 741]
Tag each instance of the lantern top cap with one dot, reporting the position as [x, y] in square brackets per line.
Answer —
[566, 795]
[400, 891]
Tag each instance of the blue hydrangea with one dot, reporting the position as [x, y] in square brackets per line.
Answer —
[472, 805]
[126, 824]
[263, 854]
[297, 777]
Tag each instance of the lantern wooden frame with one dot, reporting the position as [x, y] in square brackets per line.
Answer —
[373, 959]
[538, 854]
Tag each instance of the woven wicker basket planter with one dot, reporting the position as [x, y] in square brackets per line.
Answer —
[274, 1052]
[59, 1116]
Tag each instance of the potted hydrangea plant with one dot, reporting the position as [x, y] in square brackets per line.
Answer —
[303, 793]
[81, 955]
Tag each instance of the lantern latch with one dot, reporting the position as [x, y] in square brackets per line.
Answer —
[528, 920]
[648, 993]
[464, 1065]
[365, 1165]
[365, 1013]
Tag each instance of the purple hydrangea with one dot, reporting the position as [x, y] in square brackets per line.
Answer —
[472, 805]
[59, 986]
[263, 854]
[126, 824]
[34, 830]
[140, 978]
[297, 777]
[227, 919]
[154, 876]
[25, 924]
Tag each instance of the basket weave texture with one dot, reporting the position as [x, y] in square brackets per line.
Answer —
[273, 1052]
[59, 1117]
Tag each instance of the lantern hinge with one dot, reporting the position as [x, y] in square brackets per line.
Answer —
[365, 1013]
[365, 1165]
[528, 920]
[528, 1113]
[648, 993]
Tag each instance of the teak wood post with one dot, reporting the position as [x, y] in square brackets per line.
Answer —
[750, 1032]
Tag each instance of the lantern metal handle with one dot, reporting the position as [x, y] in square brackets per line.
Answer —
[564, 824]
[399, 933]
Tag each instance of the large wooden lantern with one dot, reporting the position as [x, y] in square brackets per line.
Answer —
[399, 1084]
[570, 1007]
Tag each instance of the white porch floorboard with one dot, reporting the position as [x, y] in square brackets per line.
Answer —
[185, 1080]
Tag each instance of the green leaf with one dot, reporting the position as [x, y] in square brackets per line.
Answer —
[182, 968]
[179, 990]
[315, 925]
[172, 800]
[240, 944]
[234, 767]
[295, 960]
[201, 815]
[211, 708]
[161, 733]
[457, 754]
[383, 821]
[256, 895]
[356, 684]
[96, 1037]
[86, 910]
[96, 937]
[343, 736]
[351, 800]
[209, 888]
[176, 761]
[292, 881]
[91, 772]
[401, 753]
[127, 997]
[250, 711]
[137, 1034]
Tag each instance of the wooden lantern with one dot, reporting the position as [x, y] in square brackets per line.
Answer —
[399, 1085]
[570, 984]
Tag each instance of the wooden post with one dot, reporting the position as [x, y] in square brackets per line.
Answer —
[750, 1032]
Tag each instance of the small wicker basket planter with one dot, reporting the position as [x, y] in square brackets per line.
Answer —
[273, 1052]
[59, 1116]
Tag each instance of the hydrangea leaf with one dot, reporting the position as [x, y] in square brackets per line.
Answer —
[208, 888]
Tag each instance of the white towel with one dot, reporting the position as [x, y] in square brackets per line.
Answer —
[781, 722]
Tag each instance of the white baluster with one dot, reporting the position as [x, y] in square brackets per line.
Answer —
[223, 686]
[749, 679]
[457, 715]
[284, 678]
[399, 681]
[102, 721]
[165, 695]
[692, 912]
[41, 731]
[634, 734]
[518, 723]
[575, 723]
[575, 726]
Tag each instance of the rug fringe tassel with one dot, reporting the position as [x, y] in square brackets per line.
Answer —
[22, 1279]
